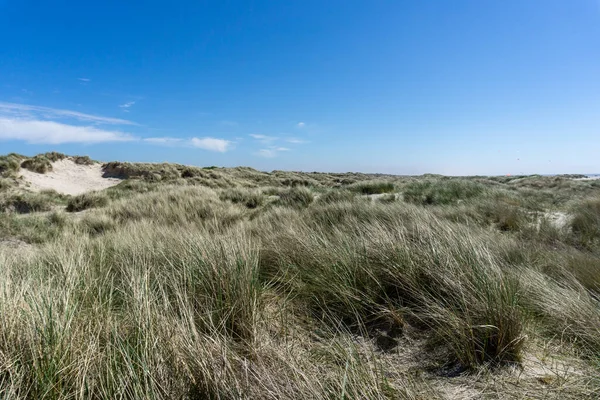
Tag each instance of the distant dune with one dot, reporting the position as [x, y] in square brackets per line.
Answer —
[67, 177]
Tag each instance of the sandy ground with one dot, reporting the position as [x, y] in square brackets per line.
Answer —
[69, 178]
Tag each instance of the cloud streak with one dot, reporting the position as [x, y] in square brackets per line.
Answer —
[271, 152]
[263, 138]
[295, 141]
[50, 132]
[125, 107]
[44, 125]
[54, 113]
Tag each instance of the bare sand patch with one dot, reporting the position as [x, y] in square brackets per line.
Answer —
[67, 177]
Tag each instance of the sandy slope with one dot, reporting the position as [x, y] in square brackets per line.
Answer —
[69, 178]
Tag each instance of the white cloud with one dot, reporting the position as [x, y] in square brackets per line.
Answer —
[84, 79]
[54, 113]
[263, 138]
[44, 125]
[295, 141]
[125, 107]
[301, 125]
[50, 132]
[271, 152]
[163, 140]
[211, 144]
[267, 153]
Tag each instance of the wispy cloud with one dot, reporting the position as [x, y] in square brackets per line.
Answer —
[295, 141]
[164, 140]
[25, 110]
[263, 138]
[211, 144]
[84, 79]
[301, 125]
[125, 107]
[271, 152]
[50, 132]
[45, 125]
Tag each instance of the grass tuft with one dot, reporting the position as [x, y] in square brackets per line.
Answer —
[87, 200]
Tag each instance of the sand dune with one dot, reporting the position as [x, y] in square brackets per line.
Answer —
[69, 178]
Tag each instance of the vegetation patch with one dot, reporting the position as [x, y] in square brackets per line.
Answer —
[87, 200]
[82, 160]
[27, 202]
[296, 197]
[247, 197]
[586, 222]
[53, 156]
[10, 165]
[229, 283]
[441, 192]
[40, 164]
[372, 187]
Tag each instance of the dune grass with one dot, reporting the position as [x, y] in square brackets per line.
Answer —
[173, 289]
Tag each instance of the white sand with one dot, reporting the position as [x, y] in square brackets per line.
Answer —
[69, 178]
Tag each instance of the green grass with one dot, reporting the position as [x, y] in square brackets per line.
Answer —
[86, 201]
[27, 202]
[444, 191]
[10, 165]
[372, 187]
[249, 198]
[82, 160]
[40, 164]
[232, 283]
[586, 222]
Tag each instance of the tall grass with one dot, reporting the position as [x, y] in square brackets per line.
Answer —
[176, 290]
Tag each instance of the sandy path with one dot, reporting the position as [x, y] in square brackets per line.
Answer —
[69, 178]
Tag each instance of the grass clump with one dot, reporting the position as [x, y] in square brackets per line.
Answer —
[299, 197]
[86, 201]
[10, 165]
[82, 160]
[27, 202]
[40, 164]
[372, 187]
[441, 192]
[54, 156]
[336, 196]
[586, 222]
[249, 198]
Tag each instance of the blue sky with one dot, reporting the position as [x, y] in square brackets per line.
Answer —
[408, 87]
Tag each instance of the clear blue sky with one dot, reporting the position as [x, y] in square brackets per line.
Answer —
[452, 87]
